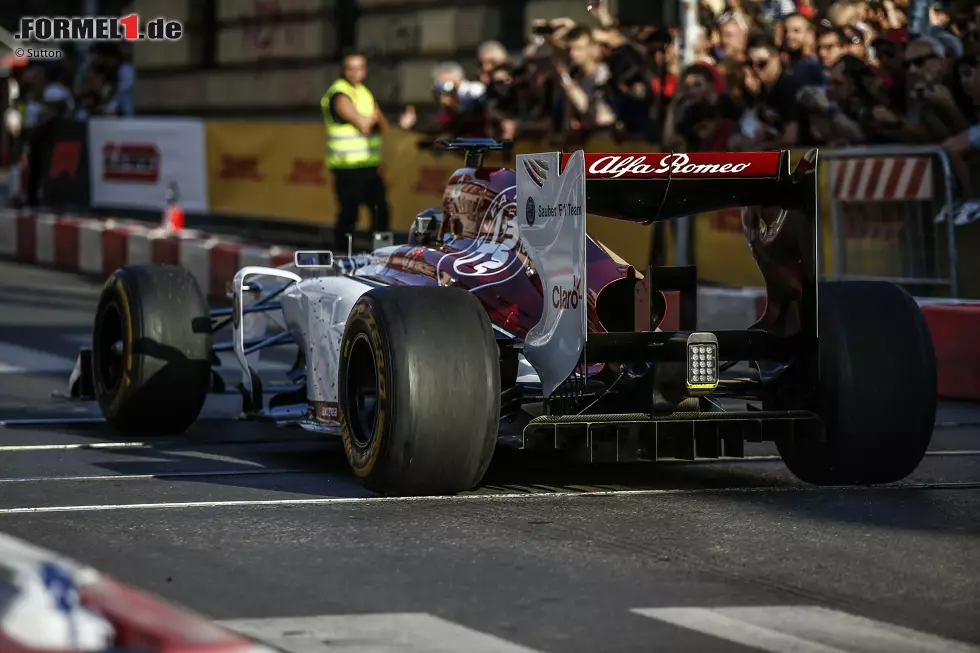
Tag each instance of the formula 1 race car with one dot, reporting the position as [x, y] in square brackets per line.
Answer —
[502, 320]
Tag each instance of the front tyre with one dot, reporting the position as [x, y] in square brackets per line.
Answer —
[877, 389]
[151, 349]
[419, 390]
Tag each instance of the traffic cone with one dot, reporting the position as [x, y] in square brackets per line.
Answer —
[173, 215]
[173, 218]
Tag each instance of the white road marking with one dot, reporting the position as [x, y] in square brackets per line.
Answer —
[156, 444]
[15, 359]
[804, 629]
[371, 633]
[778, 458]
[140, 477]
[466, 498]
[953, 452]
[69, 447]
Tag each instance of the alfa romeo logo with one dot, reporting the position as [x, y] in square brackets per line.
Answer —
[529, 212]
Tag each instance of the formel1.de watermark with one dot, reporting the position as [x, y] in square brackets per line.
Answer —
[98, 28]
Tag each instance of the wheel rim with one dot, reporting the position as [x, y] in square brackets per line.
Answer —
[362, 392]
[109, 346]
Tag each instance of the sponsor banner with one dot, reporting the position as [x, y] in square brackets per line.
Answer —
[65, 166]
[134, 161]
[275, 170]
[271, 170]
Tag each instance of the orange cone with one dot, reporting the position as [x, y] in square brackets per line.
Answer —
[173, 218]
[173, 215]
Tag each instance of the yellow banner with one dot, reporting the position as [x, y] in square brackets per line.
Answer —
[275, 170]
[268, 169]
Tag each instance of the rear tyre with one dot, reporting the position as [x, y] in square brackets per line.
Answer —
[877, 388]
[419, 390]
[151, 350]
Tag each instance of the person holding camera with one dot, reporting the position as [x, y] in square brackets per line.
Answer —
[461, 105]
[932, 114]
[780, 120]
[502, 102]
[840, 115]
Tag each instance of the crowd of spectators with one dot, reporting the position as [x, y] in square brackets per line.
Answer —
[767, 74]
[40, 96]
[72, 88]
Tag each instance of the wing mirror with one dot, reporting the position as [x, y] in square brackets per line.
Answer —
[313, 259]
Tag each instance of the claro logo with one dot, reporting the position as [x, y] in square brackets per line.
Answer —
[567, 297]
[131, 162]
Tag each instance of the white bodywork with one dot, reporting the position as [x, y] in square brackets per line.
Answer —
[316, 313]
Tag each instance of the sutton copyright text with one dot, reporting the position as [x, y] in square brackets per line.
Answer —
[38, 53]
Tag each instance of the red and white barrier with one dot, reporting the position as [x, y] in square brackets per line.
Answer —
[98, 246]
[52, 603]
[881, 179]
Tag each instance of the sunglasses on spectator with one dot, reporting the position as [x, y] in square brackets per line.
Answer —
[918, 62]
[444, 88]
[760, 64]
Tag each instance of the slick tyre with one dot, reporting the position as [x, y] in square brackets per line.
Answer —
[419, 390]
[151, 349]
[877, 389]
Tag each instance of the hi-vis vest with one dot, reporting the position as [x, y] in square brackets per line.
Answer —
[346, 146]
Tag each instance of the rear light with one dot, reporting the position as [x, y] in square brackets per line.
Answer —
[702, 361]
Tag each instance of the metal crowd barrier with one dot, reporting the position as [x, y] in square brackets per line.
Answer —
[885, 205]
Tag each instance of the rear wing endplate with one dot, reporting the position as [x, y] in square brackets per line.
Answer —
[551, 220]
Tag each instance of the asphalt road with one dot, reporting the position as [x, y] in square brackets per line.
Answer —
[260, 524]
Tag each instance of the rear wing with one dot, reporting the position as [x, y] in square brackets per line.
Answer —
[643, 188]
[556, 190]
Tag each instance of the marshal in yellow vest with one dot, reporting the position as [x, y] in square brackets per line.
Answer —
[347, 147]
